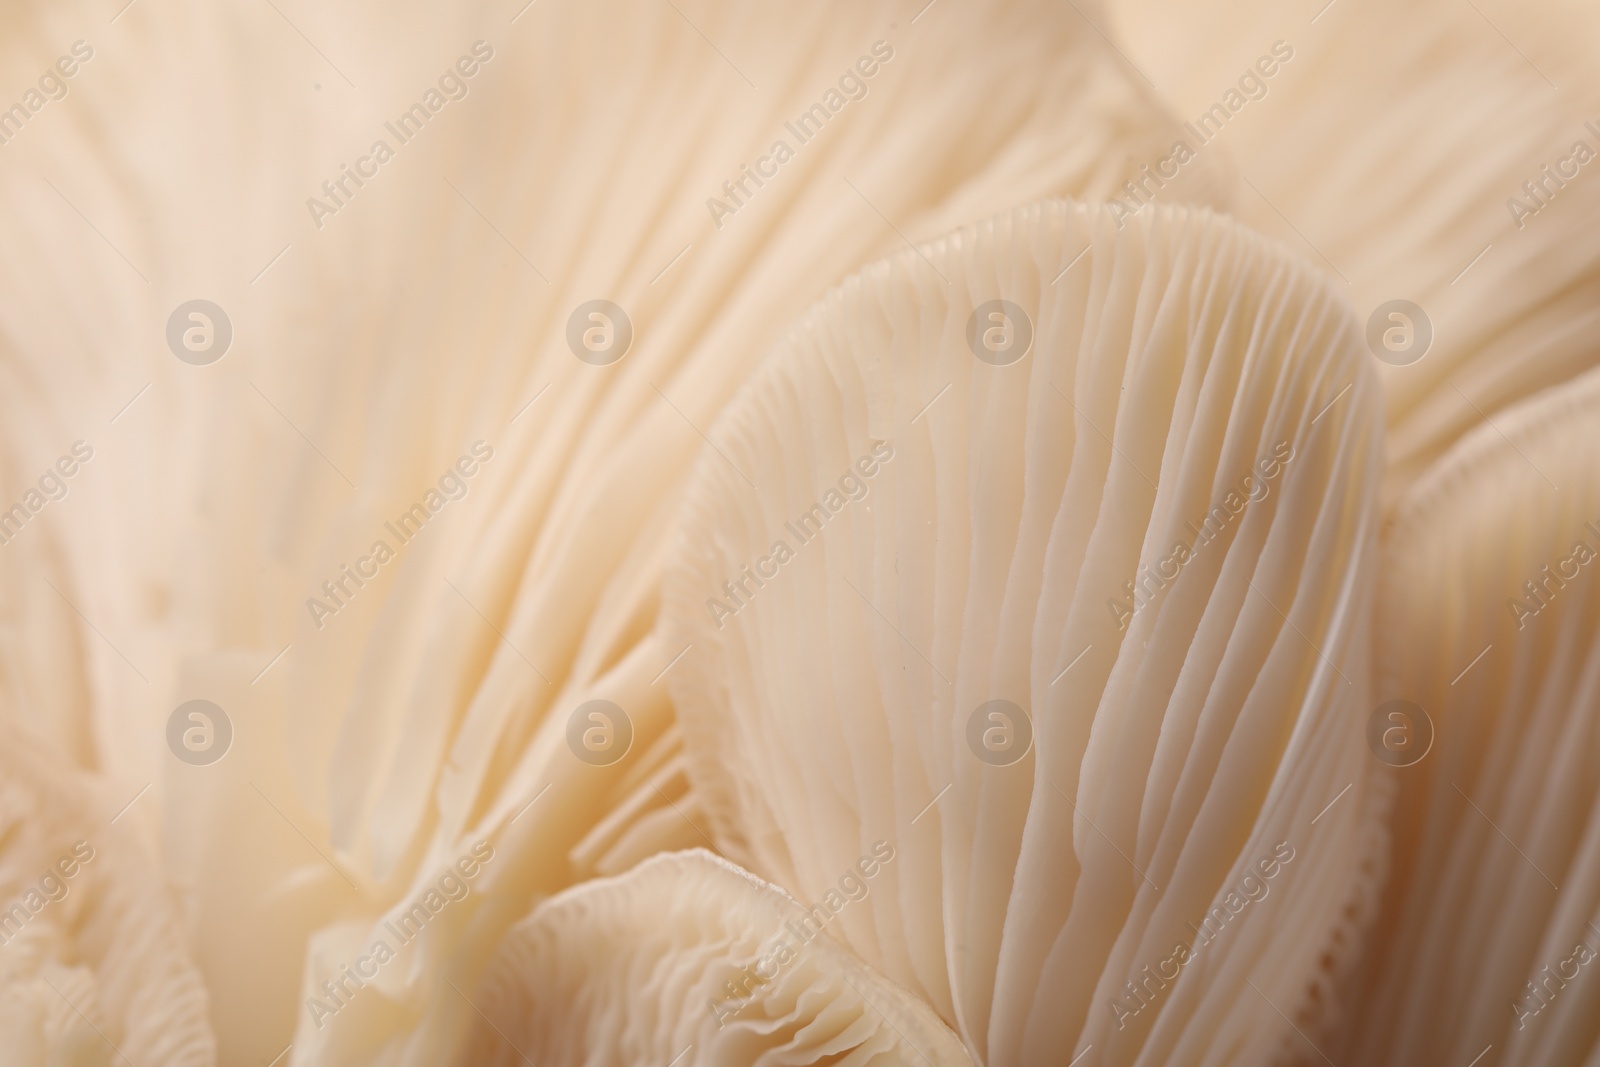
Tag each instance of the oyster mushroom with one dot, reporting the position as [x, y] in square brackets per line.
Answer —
[1145, 521]
[1007, 582]
[418, 716]
[1491, 647]
[689, 953]
[434, 709]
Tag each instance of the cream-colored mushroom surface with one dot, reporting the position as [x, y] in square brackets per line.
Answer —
[1489, 930]
[586, 158]
[1045, 552]
[1043, 439]
[436, 708]
[690, 953]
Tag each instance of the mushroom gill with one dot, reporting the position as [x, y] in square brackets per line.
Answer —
[1044, 553]
[435, 708]
[94, 967]
[1488, 664]
[689, 958]
[1435, 152]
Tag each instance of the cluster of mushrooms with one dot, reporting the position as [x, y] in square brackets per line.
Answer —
[963, 532]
